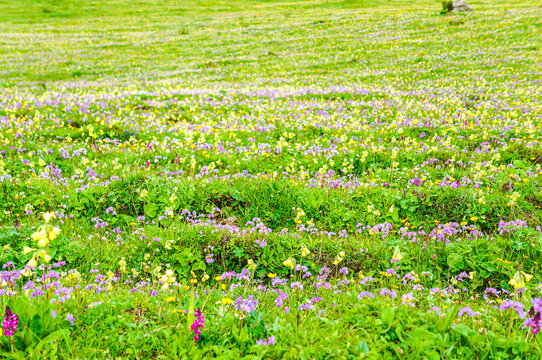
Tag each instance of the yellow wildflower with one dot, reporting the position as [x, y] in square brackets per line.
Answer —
[290, 262]
[27, 250]
[397, 254]
[251, 265]
[305, 251]
[226, 301]
[48, 216]
[520, 279]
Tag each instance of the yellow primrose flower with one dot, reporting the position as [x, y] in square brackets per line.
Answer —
[271, 275]
[27, 250]
[218, 278]
[290, 262]
[48, 216]
[397, 254]
[43, 243]
[41, 234]
[193, 281]
[170, 299]
[54, 233]
[205, 277]
[32, 263]
[339, 258]
[305, 251]
[251, 265]
[520, 279]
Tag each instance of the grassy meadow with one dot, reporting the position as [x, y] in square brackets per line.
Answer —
[305, 179]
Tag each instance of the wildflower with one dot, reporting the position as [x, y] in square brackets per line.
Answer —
[508, 304]
[339, 258]
[271, 275]
[397, 254]
[305, 251]
[48, 216]
[299, 214]
[32, 263]
[534, 321]
[280, 299]
[247, 305]
[168, 278]
[251, 265]
[467, 310]
[9, 325]
[520, 279]
[365, 294]
[198, 324]
[226, 301]
[122, 264]
[267, 342]
[27, 250]
[41, 237]
[306, 306]
[143, 194]
[54, 233]
[290, 262]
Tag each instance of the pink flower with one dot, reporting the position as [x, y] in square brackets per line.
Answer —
[198, 324]
[10, 322]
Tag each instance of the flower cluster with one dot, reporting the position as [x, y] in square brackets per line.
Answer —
[198, 324]
[10, 322]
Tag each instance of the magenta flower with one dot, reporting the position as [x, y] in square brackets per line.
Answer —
[10, 322]
[198, 324]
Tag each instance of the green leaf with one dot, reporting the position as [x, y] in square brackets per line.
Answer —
[151, 209]
[199, 265]
[36, 326]
[363, 348]
[455, 262]
[63, 333]
[388, 315]
[445, 323]
[465, 331]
